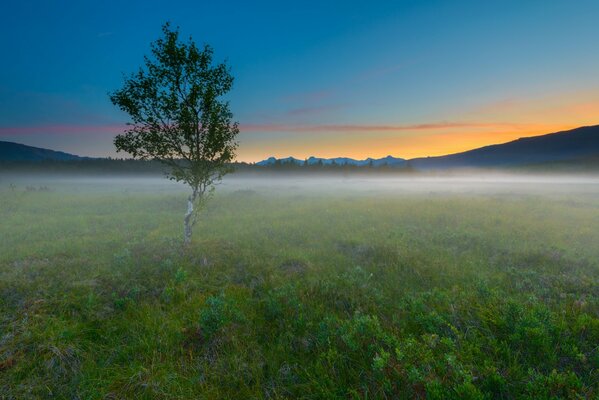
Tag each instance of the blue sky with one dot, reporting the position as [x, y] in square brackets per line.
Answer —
[336, 78]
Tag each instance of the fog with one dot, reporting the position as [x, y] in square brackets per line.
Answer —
[456, 183]
[421, 184]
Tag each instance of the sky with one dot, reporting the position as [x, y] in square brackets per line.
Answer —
[313, 78]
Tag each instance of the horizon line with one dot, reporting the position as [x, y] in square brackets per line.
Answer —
[566, 129]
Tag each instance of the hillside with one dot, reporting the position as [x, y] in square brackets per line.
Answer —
[563, 147]
[10, 151]
[573, 149]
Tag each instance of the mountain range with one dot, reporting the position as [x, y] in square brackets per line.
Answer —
[375, 162]
[572, 145]
[561, 147]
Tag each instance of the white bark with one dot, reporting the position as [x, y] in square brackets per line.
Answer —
[188, 220]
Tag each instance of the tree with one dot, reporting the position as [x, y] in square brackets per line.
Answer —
[179, 118]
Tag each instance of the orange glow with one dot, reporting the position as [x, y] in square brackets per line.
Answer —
[405, 144]
[493, 123]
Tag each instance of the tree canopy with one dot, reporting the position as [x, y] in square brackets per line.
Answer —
[178, 114]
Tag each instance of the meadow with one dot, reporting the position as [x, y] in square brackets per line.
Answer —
[332, 288]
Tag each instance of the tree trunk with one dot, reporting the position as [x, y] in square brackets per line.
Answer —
[188, 220]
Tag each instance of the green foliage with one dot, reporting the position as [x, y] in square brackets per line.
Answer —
[298, 296]
[176, 111]
[179, 117]
[218, 313]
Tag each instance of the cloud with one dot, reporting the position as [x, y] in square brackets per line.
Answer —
[87, 106]
[440, 140]
[367, 140]
[380, 128]
[113, 129]
[60, 129]
[365, 75]
[577, 106]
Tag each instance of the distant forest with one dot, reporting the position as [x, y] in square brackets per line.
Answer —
[111, 166]
[115, 167]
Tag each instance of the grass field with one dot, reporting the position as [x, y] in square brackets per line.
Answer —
[297, 289]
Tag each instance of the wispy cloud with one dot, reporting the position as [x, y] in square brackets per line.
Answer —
[316, 96]
[574, 106]
[366, 139]
[379, 128]
[436, 141]
[60, 129]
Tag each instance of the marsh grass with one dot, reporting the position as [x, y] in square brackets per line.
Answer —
[298, 295]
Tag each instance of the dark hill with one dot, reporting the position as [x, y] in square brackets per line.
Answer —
[554, 147]
[10, 151]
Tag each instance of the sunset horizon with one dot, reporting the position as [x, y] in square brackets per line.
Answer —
[299, 200]
[438, 144]
[336, 80]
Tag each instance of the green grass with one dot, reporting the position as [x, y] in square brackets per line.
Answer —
[299, 295]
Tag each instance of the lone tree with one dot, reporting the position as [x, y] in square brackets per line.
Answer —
[179, 118]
